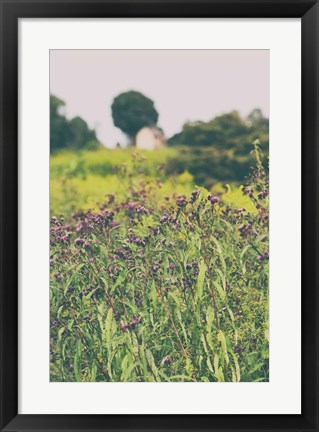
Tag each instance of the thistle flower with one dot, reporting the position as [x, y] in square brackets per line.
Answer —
[142, 210]
[248, 192]
[155, 230]
[238, 349]
[187, 283]
[181, 201]
[245, 229]
[58, 277]
[132, 324]
[166, 360]
[214, 200]
[194, 195]
[79, 241]
[263, 194]
[163, 218]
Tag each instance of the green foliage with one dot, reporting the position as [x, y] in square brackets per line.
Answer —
[218, 150]
[81, 136]
[82, 180]
[72, 134]
[209, 165]
[59, 131]
[131, 111]
[227, 131]
[148, 290]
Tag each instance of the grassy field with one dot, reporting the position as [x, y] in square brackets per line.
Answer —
[82, 180]
[161, 280]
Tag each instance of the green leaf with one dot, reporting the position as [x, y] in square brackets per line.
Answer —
[230, 313]
[77, 360]
[204, 379]
[209, 364]
[128, 371]
[221, 292]
[151, 362]
[93, 372]
[234, 378]
[108, 326]
[59, 312]
[222, 340]
[70, 324]
[219, 375]
[244, 251]
[217, 244]
[216, 363]
[61, 330]
[120, 279]
[237, 368]
[90, 294]
[127, 366]
[200, 280]
[267, 332]
[209, 318]
[222, 277]
[153, 295]
[255, 368]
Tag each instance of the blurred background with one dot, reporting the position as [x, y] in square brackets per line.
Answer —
[191, 114]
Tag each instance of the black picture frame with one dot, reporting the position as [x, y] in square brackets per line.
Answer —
[11, 11]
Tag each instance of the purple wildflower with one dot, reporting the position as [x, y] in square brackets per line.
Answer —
[249, 192]
[79, 241]
[238, 349]
[163, 218]
[58, 277]
[181, 201]
[167, 361]
[194, 196]
[214, 200]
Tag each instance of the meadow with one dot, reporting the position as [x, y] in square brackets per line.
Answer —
[155, 278]
[81, 180]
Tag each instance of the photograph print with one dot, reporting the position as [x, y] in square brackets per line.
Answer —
[159, 215]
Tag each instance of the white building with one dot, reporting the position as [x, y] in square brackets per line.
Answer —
[150, 138]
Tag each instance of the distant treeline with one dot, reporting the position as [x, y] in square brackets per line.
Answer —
[71, 134]
[219, 149]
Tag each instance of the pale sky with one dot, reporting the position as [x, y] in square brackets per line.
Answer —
[185, 85]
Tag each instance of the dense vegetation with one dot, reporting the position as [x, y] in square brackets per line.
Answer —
[73, 134]
[159, 286]
[80, 180]
[219, 150]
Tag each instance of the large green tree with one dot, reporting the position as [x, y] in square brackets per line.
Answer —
[131, 111]
[73, 134]
[59, 130]
[81, 135]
